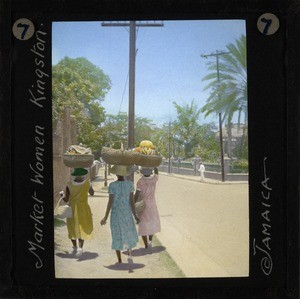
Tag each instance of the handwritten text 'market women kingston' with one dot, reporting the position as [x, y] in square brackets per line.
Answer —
[37, 96]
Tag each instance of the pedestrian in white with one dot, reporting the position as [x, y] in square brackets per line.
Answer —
[201, 170]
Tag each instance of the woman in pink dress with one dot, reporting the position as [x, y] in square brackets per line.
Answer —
[149, 218]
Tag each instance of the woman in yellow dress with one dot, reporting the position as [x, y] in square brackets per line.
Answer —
[80, 226]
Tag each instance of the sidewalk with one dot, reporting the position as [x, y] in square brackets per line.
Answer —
[206, 180]
[99, 260]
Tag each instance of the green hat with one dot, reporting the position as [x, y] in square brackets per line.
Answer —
[79, 172]
[121, 170]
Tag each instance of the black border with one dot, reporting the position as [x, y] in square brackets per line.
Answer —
[286, 47]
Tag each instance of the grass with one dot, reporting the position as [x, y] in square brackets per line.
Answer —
[169, 262]
[58, 222]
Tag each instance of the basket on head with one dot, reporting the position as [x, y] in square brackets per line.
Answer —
[78, 161]
[119, 157]
[149, 161]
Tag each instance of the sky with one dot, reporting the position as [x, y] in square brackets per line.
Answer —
[169, 66]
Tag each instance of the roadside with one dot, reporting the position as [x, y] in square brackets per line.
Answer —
[197, 179]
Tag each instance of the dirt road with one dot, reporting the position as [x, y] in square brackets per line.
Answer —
[204, 234]
[205, 226]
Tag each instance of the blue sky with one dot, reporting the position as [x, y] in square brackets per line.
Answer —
[169, 66]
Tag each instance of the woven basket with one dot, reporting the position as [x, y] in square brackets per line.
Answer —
[63, 211]
[139, 206]
[126, 157]
[119, 157]
[78, 161]
[149, 161]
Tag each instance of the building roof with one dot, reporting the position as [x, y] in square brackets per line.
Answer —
[236, 131]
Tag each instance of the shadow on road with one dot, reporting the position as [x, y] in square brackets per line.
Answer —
[88, 256]
[84, 257]
[125, 266]
[144, 251]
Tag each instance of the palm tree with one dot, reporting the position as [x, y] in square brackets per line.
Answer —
[229, 85]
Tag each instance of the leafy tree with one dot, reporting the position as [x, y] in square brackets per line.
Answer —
[81, 85]
[184, 129]
[144, 130]
[241, 149]
[228, 82]
[116, 130]
[161, 140]
[208, 148]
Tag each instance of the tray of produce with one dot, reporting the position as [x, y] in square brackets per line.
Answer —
[78, 157]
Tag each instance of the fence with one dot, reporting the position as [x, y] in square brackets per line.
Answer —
[212, 171]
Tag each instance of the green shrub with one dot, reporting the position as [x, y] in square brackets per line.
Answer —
[241, 164]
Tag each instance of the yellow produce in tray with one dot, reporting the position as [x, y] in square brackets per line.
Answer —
[137, 150]
[145, 155]
[146, 148]
[147, 144]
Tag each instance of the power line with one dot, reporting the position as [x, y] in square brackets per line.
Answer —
[123, 94]
[132, 55]
[124, 91]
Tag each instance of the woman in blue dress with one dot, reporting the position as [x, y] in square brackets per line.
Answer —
[121, 205]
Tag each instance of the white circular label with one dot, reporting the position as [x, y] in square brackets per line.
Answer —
[267, 24]
[23, 29]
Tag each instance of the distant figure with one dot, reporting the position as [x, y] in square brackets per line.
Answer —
[80, 226]
[149, 218]
[201, 170]
[121, 204]
[101, 161]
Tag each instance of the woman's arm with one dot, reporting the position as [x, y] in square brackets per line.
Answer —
[67, 196]
[91, 190]
[108, 208]
[137, 219]
[137, 194]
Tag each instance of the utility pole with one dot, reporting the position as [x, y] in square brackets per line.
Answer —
[132, 55]
[217, 54]
[169, 148]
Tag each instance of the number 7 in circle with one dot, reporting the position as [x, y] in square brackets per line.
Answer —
[26, 27]
[268, 24]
